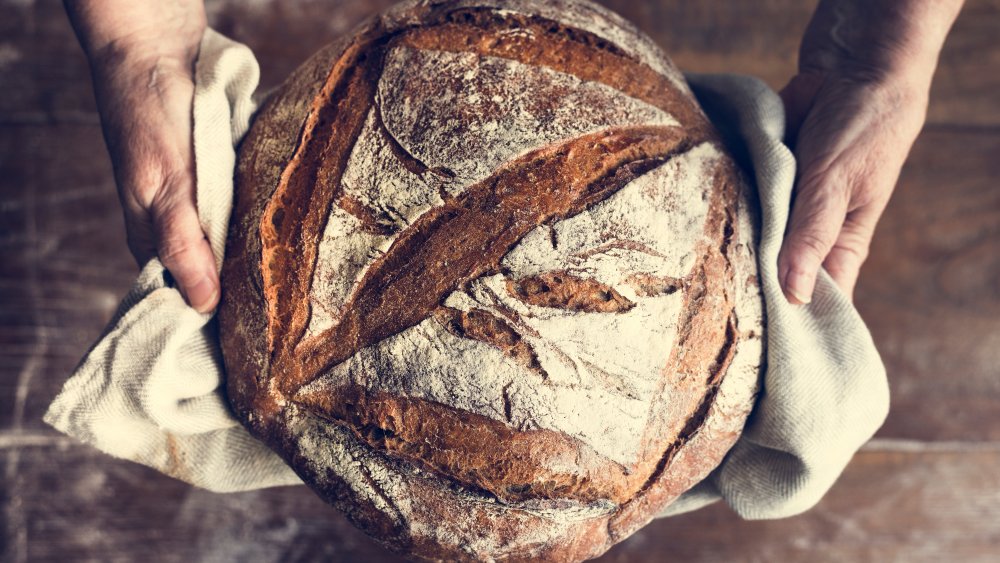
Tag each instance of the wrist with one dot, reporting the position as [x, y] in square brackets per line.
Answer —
[878, 40]
[134, 66]
[138, 34]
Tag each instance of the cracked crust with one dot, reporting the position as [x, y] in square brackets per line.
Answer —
[486, 488]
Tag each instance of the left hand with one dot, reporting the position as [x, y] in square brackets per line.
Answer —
[142, 57]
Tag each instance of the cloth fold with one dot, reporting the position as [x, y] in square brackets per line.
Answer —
[151, 389]
[825, 391]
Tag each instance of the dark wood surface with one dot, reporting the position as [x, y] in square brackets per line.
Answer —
[926, 489]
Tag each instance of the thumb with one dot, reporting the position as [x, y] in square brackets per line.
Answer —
[816, 220]
[185, 252]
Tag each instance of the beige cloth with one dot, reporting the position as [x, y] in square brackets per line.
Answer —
[151, 388]
[825, 391]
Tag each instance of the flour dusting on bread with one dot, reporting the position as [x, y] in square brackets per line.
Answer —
[491, 283]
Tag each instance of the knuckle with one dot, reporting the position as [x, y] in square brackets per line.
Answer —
[811, 244]
[852, 252]
[174, 242]
[171, 248]
[819, 212]
[145, 178]
[846, 258]
[855, 238]
[176, 190]
[865, 178]
[841, 267]
[827, 190]
[821, 171]
[139, 176]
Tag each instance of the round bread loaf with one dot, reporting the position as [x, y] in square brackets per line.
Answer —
[490, 286]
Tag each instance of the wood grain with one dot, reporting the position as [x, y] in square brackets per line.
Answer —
[50, 81]
[65, 264]
[889, 506]
[77, 504]
[930, 293]
[762, 38]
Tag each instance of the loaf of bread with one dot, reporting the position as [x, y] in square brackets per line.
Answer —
[490, 285]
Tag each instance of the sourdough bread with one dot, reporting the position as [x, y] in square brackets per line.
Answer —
[490, 286]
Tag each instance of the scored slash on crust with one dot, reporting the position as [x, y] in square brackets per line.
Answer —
[406, 282]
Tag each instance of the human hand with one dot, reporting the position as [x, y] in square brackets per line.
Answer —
[853, 111]
[142, 58]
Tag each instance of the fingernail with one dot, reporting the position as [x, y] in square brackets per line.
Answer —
[798, 287]
[202, 295]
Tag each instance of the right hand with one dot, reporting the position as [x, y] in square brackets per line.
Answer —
[854, 109]
[142, 57]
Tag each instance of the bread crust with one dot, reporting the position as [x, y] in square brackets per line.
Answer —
[422, 477]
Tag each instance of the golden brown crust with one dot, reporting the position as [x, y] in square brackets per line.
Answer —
[467, 236]
[301, 140]
[264, 153]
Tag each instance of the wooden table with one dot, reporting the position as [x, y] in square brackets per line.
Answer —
[927, 488]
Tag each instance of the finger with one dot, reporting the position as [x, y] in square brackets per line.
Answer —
[816, 220]
[184, 250]
[844, 264]
[851, 249]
